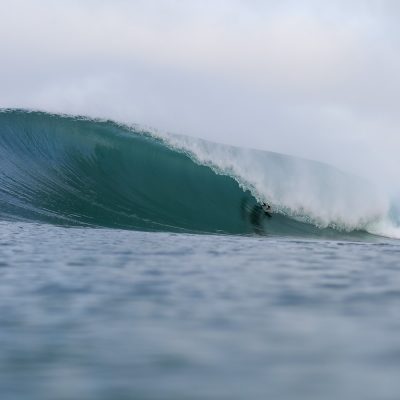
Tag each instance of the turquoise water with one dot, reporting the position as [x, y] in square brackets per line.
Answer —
[113, 314]
[80, 172]
[135, 265]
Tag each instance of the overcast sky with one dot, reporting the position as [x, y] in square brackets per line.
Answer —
[318, 79]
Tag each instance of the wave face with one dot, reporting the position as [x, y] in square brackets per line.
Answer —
[76, 171]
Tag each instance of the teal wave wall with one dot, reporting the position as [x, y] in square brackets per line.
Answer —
[77, 171]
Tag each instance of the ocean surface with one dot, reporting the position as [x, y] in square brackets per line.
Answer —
[139, 265]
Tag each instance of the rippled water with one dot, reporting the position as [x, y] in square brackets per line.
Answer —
[112, 314]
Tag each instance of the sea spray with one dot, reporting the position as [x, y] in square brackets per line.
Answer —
[78, 171]
[309, 191]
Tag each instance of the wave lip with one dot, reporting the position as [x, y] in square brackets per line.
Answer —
[78, 171]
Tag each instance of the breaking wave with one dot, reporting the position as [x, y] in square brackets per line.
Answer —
[78, 171]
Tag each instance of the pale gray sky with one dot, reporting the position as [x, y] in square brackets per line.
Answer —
[318, 79]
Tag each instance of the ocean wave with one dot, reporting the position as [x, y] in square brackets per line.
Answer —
[79, 171]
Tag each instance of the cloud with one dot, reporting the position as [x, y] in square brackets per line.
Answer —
[319, 81]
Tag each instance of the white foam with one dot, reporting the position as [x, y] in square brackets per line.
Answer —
[385, 228]
[302, 189]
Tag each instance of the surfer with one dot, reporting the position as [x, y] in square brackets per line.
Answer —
[267, 209]
[256, 214]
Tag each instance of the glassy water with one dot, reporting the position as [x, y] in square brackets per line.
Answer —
[113, 314]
